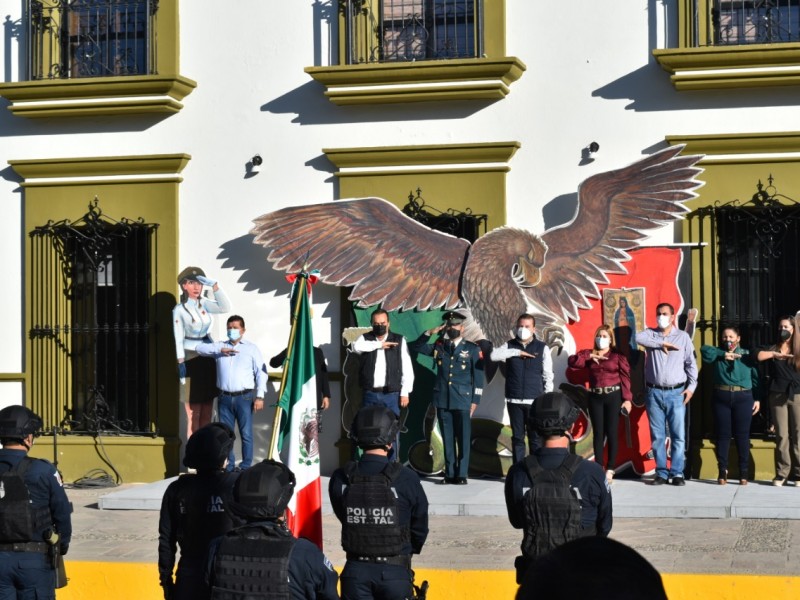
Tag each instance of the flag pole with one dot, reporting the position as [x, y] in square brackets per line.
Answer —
[300, 282]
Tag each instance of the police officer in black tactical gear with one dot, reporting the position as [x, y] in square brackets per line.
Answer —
[383, 510]
[193, 513]
[34, 511]
[553, 495]
[261, 558]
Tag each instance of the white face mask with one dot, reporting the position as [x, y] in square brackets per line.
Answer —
[602, 342]
[524, 333]
[663, 321]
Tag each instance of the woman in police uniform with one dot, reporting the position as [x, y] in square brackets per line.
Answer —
[191, 321]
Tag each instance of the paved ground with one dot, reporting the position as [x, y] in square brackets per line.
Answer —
[469, 531]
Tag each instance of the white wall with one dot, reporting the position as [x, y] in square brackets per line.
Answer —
[591, 77]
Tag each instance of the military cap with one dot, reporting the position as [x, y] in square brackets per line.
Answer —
[190, 274]
[453, 318]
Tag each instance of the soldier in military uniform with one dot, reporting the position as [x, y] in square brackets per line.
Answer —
[457, 392]
[35, 520]
[193, 513]
[383, 510]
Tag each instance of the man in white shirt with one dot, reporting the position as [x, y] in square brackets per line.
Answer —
[242, 383]
[386, 374]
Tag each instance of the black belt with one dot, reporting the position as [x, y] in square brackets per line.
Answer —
[605, 390]
[666, 387]
[25, 547]
[403, 560]
[382, 390]
[242, 393]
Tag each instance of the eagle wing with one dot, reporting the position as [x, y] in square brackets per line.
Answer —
[614, 211]
[369, 244]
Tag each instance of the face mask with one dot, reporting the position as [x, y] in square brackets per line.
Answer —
[379, 329]
[729, 345]
[785, 334]
[524, 333]
[602, 342]
[452, 333]
[663, 321]
[234, 334]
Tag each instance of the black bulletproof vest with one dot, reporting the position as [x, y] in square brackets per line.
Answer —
[252, 563]
[394, 364]
[19, 520]
[372, 525]
[201, 502]
[552, 509]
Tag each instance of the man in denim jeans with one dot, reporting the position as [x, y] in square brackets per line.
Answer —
[242, 383]
[671, 376]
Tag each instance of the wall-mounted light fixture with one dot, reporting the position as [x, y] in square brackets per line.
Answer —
[588, 152]
[255, 164]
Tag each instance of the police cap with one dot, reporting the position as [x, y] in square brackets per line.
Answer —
[209, 446]
[553, 413]
[374, 427]
[453, 318]
[190, 274]
[18, 422]
[263, 491]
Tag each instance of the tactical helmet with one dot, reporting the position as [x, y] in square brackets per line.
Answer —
[209, 446]
[263, 491]
[553, 413]
[374, 427]
[18, 422]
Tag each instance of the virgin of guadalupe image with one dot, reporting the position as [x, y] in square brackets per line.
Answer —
[625, 324]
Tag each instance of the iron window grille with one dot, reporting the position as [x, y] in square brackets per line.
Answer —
[463, 224]
[386, 31]
[742, 22]
[70, 39]
[92, 349]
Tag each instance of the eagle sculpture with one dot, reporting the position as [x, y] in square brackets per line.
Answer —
[391, 260]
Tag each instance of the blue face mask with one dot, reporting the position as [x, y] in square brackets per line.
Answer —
[234, 334]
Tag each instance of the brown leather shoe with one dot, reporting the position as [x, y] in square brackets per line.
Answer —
[743, 482]
[722, 478]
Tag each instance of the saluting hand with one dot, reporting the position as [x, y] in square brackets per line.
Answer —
[387, 345]
[667, 347]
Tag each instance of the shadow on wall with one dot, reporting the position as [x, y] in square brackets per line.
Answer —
[241, 254]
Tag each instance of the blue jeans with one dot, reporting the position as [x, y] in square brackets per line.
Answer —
[665, 410]
[391, 401]
[238, 409]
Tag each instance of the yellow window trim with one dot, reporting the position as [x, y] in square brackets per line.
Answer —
[486, 78]
[441, 154]
[103, 96]
[742, 148]
[388, 83]
[697, 65]
[79, 170]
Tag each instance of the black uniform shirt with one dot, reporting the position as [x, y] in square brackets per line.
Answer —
[589, 480]
[412, 503]
[201, 494]
[45, 490]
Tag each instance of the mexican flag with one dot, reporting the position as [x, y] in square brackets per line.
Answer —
[297, 443]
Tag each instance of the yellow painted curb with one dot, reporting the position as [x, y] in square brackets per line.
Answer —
[139, 581]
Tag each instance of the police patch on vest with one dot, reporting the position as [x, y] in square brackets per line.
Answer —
[383, 515]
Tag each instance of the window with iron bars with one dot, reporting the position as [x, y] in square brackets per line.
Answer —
[385, 31]
[741, 22]
[69, 39]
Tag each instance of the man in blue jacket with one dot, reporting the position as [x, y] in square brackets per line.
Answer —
[457, 392]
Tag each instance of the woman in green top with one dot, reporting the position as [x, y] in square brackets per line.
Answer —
[735, 378]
